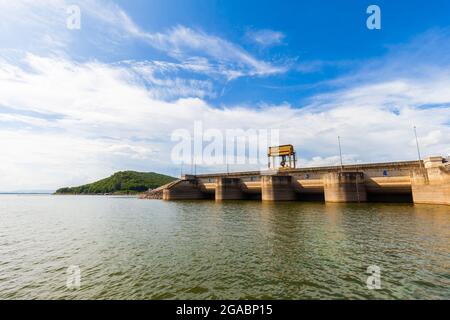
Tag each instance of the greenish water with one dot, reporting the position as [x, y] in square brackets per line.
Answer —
[147, 249]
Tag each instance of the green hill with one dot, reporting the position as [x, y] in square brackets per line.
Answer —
[124, 182]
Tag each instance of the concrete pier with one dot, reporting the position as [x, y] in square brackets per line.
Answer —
[277, 188]
[431, 184]
[229, 189]
[187, 189]
[427, 181]
[344, 187]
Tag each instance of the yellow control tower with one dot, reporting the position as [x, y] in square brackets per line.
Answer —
[287, 155]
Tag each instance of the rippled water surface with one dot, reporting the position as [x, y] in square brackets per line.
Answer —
[147, 249]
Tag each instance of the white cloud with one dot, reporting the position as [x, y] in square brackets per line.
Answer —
[163, 81]
[68, 123]
[266, 37]
[181, 42]
[37, 25]
[40, 26]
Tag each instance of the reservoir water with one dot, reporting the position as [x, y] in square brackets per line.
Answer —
[125, 248]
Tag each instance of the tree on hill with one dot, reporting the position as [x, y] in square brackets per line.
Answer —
[124, 182]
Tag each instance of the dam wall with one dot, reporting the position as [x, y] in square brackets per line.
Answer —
[277, 188]
[186, 189]
[229, 189]
[431, 185]
[344, 187]
[427, 181]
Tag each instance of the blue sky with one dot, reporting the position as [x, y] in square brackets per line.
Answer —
[81, 104]
[320, 39]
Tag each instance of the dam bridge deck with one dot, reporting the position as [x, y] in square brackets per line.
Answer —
[427, 181]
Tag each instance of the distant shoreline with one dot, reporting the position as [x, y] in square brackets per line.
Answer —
[67, 194]
[26, 193]
[97, 194]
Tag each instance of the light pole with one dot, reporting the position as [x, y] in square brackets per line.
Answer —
[340, 153]
[418, 149]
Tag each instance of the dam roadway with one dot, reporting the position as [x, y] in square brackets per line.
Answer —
[426, 181]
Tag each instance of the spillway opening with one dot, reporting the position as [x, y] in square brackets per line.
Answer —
[390, 197]
[313, 197]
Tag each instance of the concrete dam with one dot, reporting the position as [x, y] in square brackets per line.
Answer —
[426, 181]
